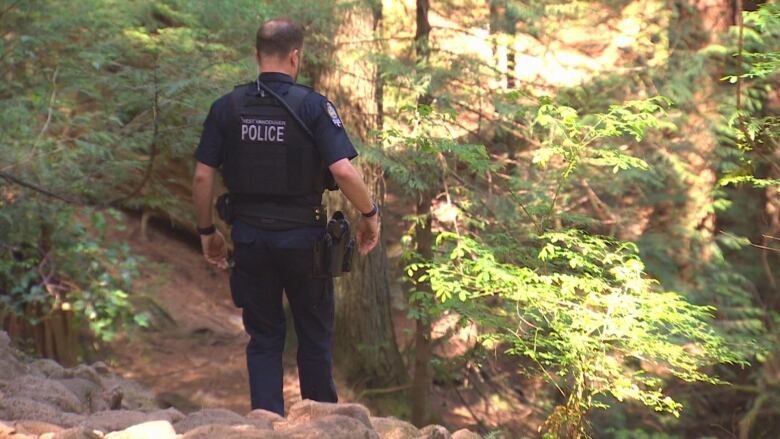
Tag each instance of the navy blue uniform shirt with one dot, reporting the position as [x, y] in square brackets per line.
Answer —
[330, 136]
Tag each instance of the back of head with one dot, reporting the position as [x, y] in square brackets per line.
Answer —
[278, 37]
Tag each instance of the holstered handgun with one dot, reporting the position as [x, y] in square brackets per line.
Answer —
[225, 208]
[333, 253]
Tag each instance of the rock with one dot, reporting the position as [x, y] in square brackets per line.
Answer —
[5, 429]
[26, 408]
[17, 435]
[180, 402]
[94, 397]
[170, 414]
[116, 420]
[44, 390]
[265, 415]
[392, 428]
[231, 432]
[105, 399]
[328, 427]
[35, 428]
[49, 368]
[134, 396]
[465, 434]
[43, 400]
[10, 367]
[434, 432]
[308, 410]
[101, 368]
[79, 387]
[85, 372]
[76, 433]
[147, 430]
[218, 416]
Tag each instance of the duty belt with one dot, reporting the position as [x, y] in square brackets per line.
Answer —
[271, 215]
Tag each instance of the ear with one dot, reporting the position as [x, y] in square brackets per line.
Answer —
[257, 56]
[296, 57]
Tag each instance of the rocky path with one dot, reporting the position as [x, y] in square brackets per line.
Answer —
[193, 355]
[40, 399]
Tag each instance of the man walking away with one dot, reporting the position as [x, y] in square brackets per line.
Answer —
[278, 146]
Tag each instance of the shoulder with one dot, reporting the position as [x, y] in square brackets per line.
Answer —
[317, 104]
[309, 94]
[313, 105]
[239, 90]
[222, 103]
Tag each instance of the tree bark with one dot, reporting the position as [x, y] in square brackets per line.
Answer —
[423, 374]
[503, 30]
[704, 21]
[365, 345]
[423, 350]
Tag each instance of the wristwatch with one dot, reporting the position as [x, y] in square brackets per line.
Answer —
[203, 231]
[374, 211]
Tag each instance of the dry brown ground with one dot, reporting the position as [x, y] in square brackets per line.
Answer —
[193, 355]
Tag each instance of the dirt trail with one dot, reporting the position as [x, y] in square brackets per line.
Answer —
[193, 355]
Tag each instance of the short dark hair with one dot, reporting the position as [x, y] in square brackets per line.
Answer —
[278, 37]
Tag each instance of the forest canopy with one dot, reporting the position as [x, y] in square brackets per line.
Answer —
[592, 188]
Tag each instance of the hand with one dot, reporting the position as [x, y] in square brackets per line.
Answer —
[367, 234]
[215, 249]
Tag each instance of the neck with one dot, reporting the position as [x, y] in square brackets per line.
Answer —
[271, 68]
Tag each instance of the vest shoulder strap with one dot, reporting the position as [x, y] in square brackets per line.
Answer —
[286, 103]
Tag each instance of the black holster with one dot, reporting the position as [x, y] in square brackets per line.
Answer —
[225, 208]
[333, 254]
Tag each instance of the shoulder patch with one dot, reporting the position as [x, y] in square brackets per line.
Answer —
[334, 117]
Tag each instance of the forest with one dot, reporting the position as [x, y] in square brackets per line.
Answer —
[580, 205]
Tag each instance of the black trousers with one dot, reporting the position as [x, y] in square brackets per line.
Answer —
[267, 263]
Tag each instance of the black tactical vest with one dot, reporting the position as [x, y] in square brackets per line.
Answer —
[268, 152]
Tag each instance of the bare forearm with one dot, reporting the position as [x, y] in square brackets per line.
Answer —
[353, 187]
[202, 193]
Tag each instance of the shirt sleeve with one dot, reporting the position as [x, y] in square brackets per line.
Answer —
[212, 138]
[330, 135]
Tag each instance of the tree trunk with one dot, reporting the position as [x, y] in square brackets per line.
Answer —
[365, 344]
[704, 21]
[502, 30]
[423, 373]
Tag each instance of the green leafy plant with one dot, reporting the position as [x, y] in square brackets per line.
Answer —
[587, 314]
[76, 270]
[579, 305]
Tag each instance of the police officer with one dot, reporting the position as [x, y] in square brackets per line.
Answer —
[278, 144]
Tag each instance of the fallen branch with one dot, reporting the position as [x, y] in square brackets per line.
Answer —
[15, 180]
[484, 429]
[11, 6]
[382, 391]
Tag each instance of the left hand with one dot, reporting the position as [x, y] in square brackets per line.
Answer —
[215, 249]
